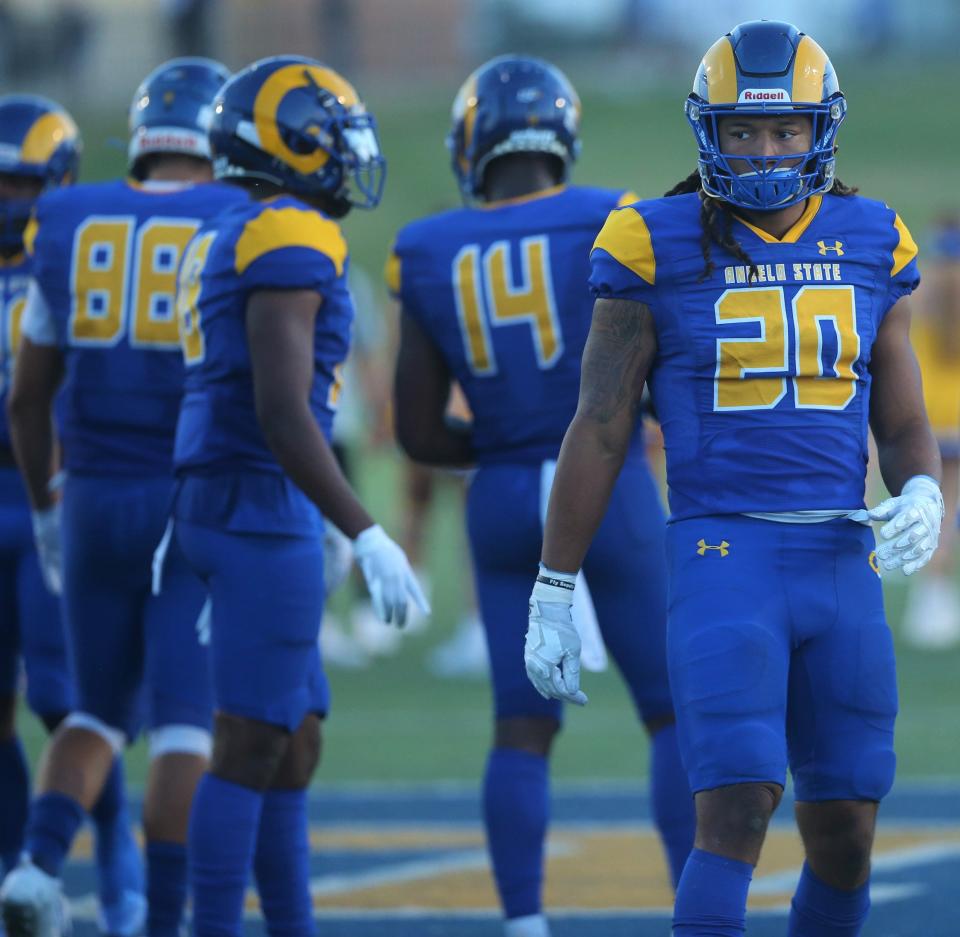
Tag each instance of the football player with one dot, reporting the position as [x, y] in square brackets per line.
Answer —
[100, 321]
[39, 150]
[494, 296]
[931, 616]
[265, 324]
[768, 306]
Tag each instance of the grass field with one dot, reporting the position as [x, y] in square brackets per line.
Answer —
[395, 722]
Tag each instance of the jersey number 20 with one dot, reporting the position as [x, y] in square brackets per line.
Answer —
[819, 384]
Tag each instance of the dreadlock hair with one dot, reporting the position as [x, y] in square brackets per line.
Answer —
[716, 221]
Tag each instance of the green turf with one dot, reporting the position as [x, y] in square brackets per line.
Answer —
[394, 721]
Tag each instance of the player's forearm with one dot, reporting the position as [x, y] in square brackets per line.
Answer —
[447, 443]
[33, 442]
[590, 461]
[911, 450]
[304, 454]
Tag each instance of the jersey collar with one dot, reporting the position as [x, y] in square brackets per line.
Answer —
[520, 199]
[799, 226]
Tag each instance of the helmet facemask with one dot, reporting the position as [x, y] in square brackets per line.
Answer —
[769, 183]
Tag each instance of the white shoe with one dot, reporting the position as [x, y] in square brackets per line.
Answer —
[33, 903]
[339, 649]
[931, 618]
[532, 925]
[463, 654]
[372, 635]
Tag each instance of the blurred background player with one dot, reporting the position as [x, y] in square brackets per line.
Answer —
[265, 322]
[39, 150]
[495, 297]
[100, 320]
[774, 572]
[353, 634]
[931, 618]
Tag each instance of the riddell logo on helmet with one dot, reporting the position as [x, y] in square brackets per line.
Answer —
[167, 140]
[760, 95]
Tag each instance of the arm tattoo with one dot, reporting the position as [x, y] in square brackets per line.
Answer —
[616, 358]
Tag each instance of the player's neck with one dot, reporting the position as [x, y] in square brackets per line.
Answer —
[519, 178]
[187, 170]
[777, 223]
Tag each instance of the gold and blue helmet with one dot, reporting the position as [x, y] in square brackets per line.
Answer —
[512, 104]
[766, 68]
[299, 125]
[38, 140]
[171, 110]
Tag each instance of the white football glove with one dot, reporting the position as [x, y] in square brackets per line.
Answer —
[912, 531]
[337, 557]
[388, 574]
[552, 650]
[46, 536]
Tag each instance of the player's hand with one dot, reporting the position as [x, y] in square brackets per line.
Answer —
[337, 557]
[552, 650]
[912, 531]
[46, 535]
[388, 574]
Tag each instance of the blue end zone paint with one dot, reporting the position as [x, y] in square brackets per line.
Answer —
[582, 803]
[922, 893]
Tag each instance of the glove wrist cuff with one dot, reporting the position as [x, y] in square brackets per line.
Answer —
[368, 540]
[554, 586]
[924, 484]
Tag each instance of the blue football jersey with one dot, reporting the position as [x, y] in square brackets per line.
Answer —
[105, 260]
[14, 278]
[502, 291]
[762, 386]
[277, 244]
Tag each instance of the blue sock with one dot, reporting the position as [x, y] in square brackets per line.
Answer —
[819, 910]
[282, 864]
[224, 821]
[712, 896]
[14, 800]
[52, 825]
[516, 808]
[119, 866]
[166, 887]
[671, 802]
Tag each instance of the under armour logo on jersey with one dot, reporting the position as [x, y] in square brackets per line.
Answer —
[703, 546]
[872, 560]
[837, 247]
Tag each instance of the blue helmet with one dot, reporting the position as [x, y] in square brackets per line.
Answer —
[171, 110]
[512, 104]
[766, 68]
[295, 123]
[38, 139]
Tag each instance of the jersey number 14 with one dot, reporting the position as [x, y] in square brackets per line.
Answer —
[486, 296]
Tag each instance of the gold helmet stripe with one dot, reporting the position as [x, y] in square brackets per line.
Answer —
[808, 70]
[720, 71]
[46, 134]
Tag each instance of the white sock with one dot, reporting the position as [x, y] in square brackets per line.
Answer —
[530, 925]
